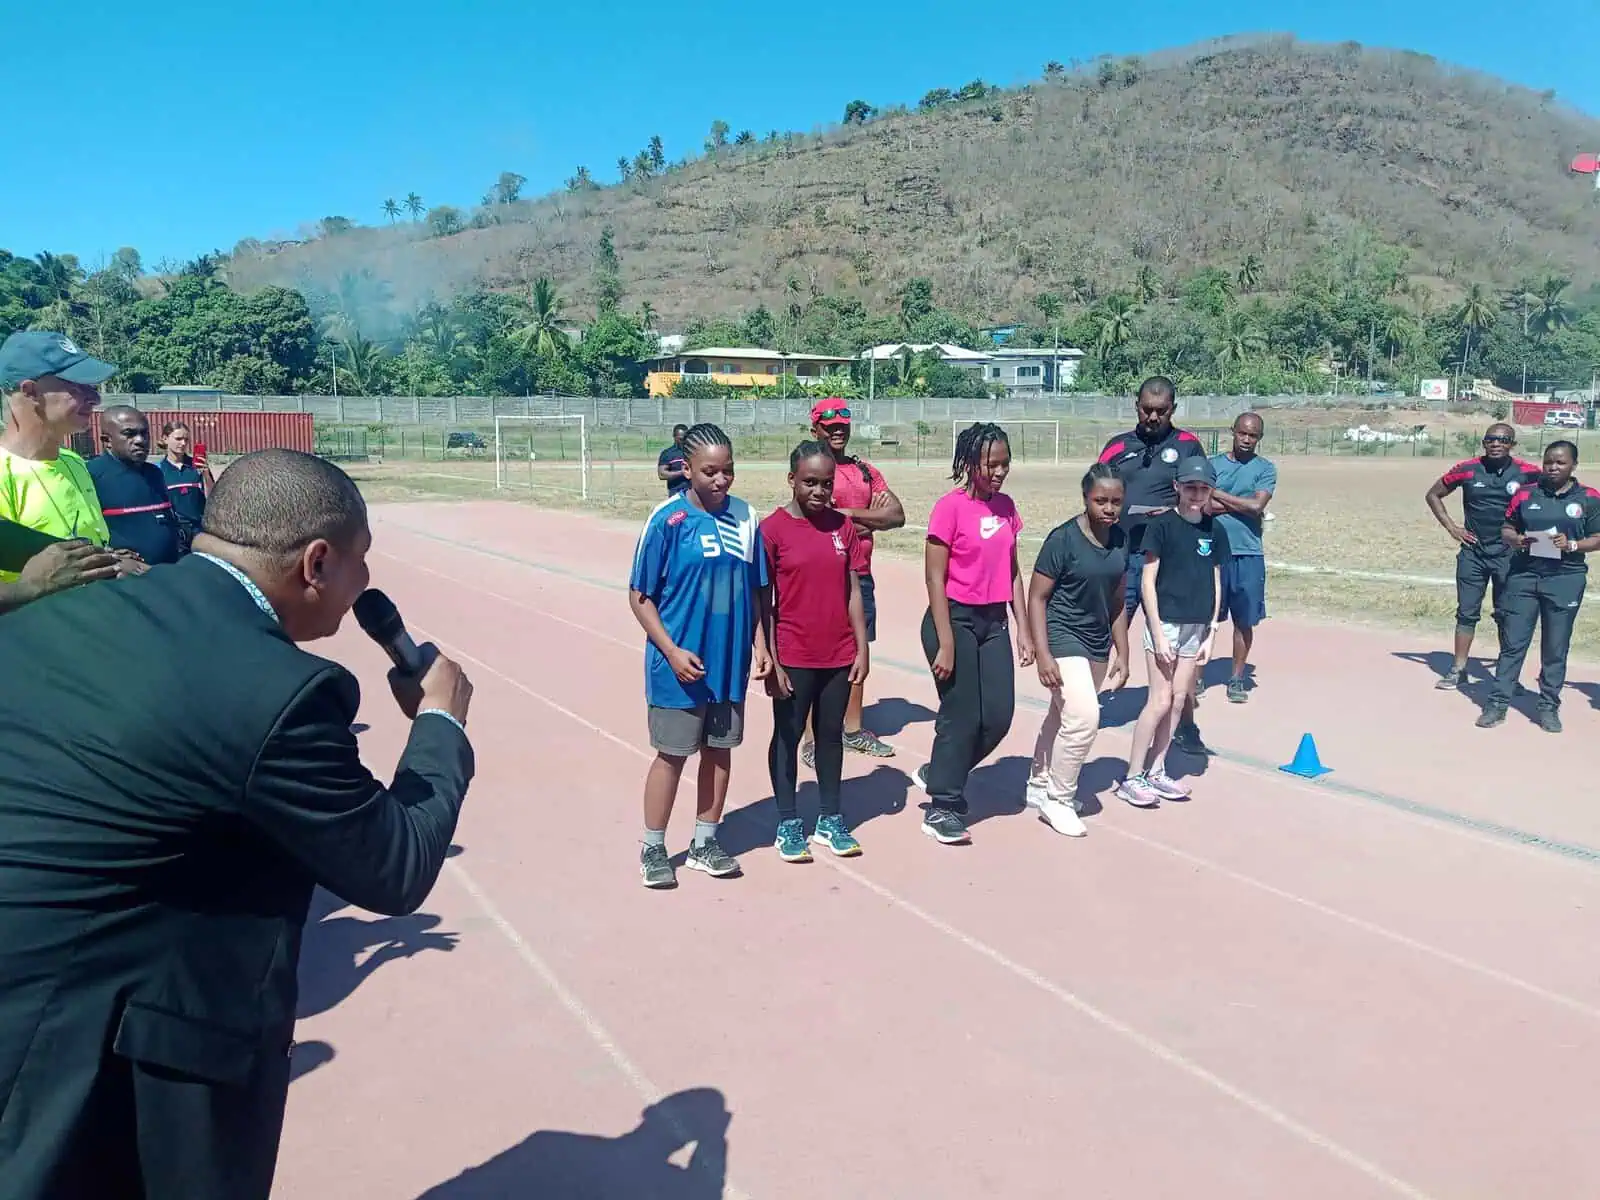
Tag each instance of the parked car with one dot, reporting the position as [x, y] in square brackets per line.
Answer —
[1563, 418]
[465, 439]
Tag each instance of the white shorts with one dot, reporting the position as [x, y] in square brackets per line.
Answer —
[1186, 640]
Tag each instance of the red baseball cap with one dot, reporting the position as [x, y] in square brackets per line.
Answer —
[833, 404]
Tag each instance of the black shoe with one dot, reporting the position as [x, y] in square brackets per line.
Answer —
[1492, 715]
[1549, 720]
[1187, 739]
[946, 826]
[1450, 680]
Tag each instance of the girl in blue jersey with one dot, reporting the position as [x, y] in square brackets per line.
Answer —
[697, 589]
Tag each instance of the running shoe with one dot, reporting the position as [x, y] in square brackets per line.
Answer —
[920, 777]
[655, 868]
[1035, 796]
[1549, 720]
[1450, 680]
[711, 858]
[831, 832]
[1062, 817]
[1187, 739]
[1165, 785]
[1236, 691]
[945, 826]
[1492, 715]
[1136, 790]
[791, 841]
[864, 741]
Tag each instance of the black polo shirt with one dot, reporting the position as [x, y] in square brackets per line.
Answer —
[674, 458]
[186, 490]
[1149, 473]
[1574, 512]
[1486, 488]
[133, 497]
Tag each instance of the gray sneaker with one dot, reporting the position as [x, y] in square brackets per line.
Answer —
[1451, 679]
[945, 826]
[655, 868]
[712, 859]
[1549, 720]
[1236, 691]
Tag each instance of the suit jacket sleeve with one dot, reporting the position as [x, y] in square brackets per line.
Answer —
[375, 847]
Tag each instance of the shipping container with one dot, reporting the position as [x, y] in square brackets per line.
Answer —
[225, 433]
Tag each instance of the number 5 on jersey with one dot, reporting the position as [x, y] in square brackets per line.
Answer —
[710, 547]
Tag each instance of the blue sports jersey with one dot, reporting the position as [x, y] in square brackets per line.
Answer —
[703, 572]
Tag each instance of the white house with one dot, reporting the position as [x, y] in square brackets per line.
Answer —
[956, 356]
[1032, 370]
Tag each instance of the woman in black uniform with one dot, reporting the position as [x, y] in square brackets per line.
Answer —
[186, 483]
[1550, 526]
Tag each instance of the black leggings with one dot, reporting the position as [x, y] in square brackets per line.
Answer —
[975, 704]
[821, 693]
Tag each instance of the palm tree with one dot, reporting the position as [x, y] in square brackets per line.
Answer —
[1114, 324]
[414, 205]
[391, 210]
[647, 316]
[625, 168]
[359, 364]
[1238, 340]
[1548, 310]
[542, 334]
[1250, 274]
[1147, 284]
[1474, 316]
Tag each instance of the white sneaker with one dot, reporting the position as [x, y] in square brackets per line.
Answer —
[1035, 795]
[920, 777]
[1060, 816]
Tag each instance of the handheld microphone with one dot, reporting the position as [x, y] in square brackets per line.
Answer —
[380, 620]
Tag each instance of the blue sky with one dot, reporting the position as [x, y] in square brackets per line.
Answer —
[182, 127]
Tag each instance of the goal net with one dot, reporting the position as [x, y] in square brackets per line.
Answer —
[548, 453]
[1031, 441]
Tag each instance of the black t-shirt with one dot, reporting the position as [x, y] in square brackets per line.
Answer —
[1149, 473]
[138, 512]
[1186, 579]
[1486, 489]
[674, 459]
[1088, 594]
[1574, 512]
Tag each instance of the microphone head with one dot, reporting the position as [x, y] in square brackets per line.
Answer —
[377, 616]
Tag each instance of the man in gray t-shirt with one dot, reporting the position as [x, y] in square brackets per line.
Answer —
[1245, 483]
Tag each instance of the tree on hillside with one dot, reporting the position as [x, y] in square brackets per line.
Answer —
[935, 99]
[858, 112]
[1054, 70]
[607, 272]
[624, 168]
[444, 220]
[719, 135]
[658, 154]
[414, 205]
[334, 226]
[1475, 314]
[1250, 274]
[643, 167]
[391, 210]
[582, 181]
[508, 187]
[542, 334]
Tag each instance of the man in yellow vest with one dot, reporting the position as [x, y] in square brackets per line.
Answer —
[51, 389]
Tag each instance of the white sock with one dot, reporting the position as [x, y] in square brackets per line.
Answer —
[655, 837]
[704, 831]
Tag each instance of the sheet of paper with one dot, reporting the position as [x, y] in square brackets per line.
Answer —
[1544, 545]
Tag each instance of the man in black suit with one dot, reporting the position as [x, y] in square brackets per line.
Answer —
[162, 827]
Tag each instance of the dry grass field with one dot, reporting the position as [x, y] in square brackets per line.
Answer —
[1341, 516]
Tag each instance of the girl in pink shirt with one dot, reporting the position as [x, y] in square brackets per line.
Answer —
[971, 566]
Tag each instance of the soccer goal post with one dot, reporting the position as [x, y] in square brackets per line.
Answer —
[551, 453]
[1013, 427]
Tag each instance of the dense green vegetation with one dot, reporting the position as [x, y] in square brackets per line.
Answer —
[1352, 310]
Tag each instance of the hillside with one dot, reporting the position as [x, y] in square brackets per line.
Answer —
[1269, 148]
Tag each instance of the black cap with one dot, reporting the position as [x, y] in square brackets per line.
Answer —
[32, 354]
[1196, 468]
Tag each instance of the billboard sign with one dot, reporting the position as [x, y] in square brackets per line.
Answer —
[1435, 389]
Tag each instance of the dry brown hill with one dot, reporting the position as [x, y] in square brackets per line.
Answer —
[1267, 147]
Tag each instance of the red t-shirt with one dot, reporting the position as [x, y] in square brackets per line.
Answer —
[810, 572]
[852, 490]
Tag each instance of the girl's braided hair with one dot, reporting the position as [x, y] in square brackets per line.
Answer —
[805, 450]
[705, 436]
[970, 445]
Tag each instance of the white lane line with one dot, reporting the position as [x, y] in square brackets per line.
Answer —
[1148, 1044]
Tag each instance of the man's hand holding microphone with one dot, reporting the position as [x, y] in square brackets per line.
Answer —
[422, 678]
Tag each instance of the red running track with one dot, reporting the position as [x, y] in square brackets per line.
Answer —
[1381, 984]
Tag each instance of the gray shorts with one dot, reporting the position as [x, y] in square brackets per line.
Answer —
[1185, 640]
[681, 732]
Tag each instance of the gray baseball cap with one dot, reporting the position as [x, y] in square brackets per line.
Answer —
[1196, 468]
[31, 354]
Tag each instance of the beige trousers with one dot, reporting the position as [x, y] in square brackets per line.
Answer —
[1069, 729]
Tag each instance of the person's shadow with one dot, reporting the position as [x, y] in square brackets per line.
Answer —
[328, 968]
[893, 715]
[557, 1165]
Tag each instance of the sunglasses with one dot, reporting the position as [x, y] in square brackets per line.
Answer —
[833, 414]
[1489, 438]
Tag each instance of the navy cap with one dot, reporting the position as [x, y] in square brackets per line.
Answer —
[32, 354]
[1196, 468]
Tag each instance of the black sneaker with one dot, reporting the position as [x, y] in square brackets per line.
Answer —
[1492, 715]
[1187, 739]
[1549, 720]
[946, 826]
[1450, 680]
[1236, 691]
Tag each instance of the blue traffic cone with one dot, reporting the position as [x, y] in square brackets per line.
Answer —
[1306, 764]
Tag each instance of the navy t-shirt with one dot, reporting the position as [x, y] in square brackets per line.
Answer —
[186, 490]
[674, 459]
[133, 497]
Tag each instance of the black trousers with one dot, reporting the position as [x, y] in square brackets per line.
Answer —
[1549, 599]
[1477, 573]
[975, 704]
[821, 693]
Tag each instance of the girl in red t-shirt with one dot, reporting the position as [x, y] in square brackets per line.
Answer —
[817, 630]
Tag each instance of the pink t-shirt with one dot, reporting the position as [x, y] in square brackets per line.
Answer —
[981, 534]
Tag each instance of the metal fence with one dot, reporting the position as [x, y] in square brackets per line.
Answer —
[734, 412]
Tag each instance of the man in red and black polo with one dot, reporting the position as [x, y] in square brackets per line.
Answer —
[132, 491]
[1146, 459]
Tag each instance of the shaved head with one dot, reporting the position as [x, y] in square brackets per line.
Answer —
[125, 433]
[278, 502]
